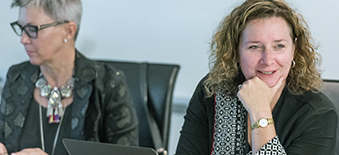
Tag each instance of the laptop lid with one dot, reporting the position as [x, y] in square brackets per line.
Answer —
[80, 147]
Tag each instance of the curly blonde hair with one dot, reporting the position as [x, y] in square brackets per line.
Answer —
[224, 58]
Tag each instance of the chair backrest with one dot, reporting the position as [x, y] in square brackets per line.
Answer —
[151, 86]
[331, 90]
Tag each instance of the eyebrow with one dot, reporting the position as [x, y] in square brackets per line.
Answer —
[280, 40]
[252, 42]
[29, 23]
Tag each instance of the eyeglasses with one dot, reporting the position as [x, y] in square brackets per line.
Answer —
[32, 30]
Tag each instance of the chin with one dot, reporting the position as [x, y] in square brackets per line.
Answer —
[34, 62]
[270, 83]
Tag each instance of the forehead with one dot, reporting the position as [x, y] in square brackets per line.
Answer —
[267, 28]
[33, 15]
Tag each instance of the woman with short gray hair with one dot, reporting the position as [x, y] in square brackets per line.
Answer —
[59, 93]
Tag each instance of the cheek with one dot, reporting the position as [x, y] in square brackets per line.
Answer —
[247, 67]
[285, 63]
[40, 44]
[287, 66]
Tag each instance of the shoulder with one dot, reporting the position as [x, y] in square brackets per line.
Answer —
[312, 106]
[200, 89]
[316, 101]
[21, 69]
[17, 67]
[304, 107]
[88, 70]
[200, 98]
[109, 73]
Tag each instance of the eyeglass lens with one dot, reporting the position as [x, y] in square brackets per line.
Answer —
[31, 31]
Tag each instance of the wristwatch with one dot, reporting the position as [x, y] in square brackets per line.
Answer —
[263, 122]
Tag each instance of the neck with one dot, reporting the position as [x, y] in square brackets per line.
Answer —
[276, 98]
[60, 70]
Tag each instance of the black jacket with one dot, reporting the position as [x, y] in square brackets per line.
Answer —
[102, 106]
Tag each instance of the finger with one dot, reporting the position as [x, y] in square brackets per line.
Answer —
[3, 149]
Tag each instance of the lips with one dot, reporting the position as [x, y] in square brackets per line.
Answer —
[29, 52]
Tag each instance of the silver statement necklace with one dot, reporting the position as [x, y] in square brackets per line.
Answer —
[55, 109]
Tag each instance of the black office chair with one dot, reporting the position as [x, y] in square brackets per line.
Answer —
[331, 90]
[151, 86]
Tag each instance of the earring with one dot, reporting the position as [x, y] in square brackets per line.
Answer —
[65, 40]
[293, 63]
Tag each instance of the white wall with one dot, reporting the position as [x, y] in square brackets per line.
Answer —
[167, 32]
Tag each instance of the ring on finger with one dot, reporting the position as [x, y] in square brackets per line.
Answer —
[239, 86]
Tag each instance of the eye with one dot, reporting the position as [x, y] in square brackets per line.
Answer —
[280, 46]
[253, 47]
[31, 29]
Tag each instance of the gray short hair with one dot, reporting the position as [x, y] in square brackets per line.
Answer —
[58, 10]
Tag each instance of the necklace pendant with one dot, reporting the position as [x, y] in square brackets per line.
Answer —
[66, 91]
[45, 90]
[49, 110]
[40, 83]
[53, 109]
[61, 110]
[53, 119]
[55, 98]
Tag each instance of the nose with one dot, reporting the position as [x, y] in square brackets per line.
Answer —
[267, 57]
[25, 38]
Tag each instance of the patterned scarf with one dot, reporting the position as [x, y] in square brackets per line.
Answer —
[229, 126]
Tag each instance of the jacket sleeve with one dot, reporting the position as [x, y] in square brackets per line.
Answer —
[317, 134]
[3, 111]
[272, 147]
[194, 138]
[120, 119]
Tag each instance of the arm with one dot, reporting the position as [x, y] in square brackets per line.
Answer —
[2, 112]
[316, 134]
[120, 122]
[259, 101]
[5, 90]
[3, 149]
[194, 138]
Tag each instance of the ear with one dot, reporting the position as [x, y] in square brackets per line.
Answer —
[70, 29]
[294, 45]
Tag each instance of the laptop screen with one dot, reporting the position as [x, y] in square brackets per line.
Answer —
[80, 147]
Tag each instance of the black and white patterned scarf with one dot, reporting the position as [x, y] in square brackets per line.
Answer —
[229, 125]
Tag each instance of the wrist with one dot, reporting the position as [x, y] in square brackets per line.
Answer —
[260, 114]
[262, 123]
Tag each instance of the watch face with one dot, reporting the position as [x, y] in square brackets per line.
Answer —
[263, 122]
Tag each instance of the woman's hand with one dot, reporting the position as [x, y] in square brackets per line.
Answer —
[3, 150]
[259, 100]
[257, 97]
[30, 151]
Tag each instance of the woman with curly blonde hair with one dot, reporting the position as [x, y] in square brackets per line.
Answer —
[261, 95]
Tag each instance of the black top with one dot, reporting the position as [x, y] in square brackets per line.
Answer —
[31, 136]
[305, 124]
